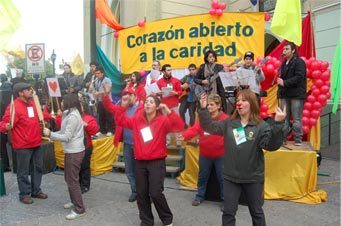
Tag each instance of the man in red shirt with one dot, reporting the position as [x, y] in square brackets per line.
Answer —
[170, 89]
[26, 140]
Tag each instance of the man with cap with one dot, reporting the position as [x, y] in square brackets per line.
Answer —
[26, 140]
[259, 75]
[128, 100]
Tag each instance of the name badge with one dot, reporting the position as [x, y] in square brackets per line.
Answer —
[170, 85]
[239, 135]
[146, 134]
[30, 112]
[206, 133]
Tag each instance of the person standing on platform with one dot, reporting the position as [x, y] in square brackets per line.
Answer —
[208, 77]
[137, 85]
[71, 135]
[292, 89]
[71, 81]
[149, 128]
[155, 73]
[105, 118]
[90, 76]
[90, 129]
[25, 134]
[211, 150]
[189, 100]
[245, 137]
[129, 100]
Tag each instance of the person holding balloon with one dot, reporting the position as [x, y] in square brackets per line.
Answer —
[292, 88]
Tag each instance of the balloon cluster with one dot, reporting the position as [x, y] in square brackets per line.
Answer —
[217, 8]
[319, 72]
[270, 70]
[263, 113]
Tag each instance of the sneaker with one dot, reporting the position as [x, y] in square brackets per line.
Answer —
[169, 224]
[298, 144]
[196, 202]
[26, 200]
[84, 190]
[40, 195]
[109, 134]
[68, 205]
[73, 215]
[132, 197]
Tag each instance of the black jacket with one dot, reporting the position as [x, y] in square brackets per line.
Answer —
[295, 79]
[200, 76]
[244, 163]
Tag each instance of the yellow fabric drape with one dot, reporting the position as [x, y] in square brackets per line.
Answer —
[289, 175]
[189, 176]
[272, 102]
[104, 154]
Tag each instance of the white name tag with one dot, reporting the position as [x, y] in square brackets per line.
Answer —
[239, 135]
[206, 133]
[30, 112]
[146, 134]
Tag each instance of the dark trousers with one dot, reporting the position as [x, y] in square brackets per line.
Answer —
[105, 119]
[191, 106]
[150, 176]
[85, 172]
[129, 162]
[29, 162]
[72, 165]
[3, 151]
[254, 196]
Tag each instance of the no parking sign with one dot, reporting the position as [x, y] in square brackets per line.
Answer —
[35, 58]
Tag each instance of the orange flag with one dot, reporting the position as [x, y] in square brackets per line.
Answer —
[105, 16]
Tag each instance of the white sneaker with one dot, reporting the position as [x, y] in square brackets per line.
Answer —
[109, 134]
[73, 215]
[68, 205]
[169, 224]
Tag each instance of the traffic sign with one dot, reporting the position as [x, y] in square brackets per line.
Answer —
[35, 58]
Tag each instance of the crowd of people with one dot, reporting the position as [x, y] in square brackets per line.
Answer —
[144, 121]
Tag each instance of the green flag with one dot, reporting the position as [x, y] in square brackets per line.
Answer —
[336, 80]
[10, 21]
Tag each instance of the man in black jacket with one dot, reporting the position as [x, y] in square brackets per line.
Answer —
[292, 88]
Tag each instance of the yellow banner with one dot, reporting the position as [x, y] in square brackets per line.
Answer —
[184, 40]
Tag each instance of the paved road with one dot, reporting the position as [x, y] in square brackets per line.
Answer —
[107, 204]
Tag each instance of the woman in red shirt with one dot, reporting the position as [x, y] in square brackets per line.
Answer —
[149, 129]
[211, 149]
[137, 85]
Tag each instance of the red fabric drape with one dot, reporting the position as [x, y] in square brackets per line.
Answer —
[105, 16]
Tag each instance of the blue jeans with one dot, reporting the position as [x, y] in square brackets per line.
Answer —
[205, 166]
[129, 161]
[29, 162]
[294, 109]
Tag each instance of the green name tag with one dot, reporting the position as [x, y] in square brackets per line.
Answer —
[239, 135]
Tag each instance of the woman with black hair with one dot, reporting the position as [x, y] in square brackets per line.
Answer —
[71, 135]
[208, 78]
[137, 85]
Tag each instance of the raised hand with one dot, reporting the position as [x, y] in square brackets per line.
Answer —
[203, 100]
[164, 109]
[280, 114]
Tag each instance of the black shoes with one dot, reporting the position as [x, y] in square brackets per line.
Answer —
[132, 197]
[84, 190]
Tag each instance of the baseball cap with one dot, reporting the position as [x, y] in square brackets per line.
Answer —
[128, 91]
[249, 54]
[20, 87]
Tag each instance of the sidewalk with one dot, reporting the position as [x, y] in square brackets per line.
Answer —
[107, 204]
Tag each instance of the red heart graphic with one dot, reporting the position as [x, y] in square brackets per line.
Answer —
[53, 86]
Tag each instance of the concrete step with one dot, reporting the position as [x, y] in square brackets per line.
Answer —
[169, 169]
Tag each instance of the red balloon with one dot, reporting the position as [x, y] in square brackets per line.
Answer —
[308, 106]
[317, 105]
[311, 99]
[324, 89]
[222, 5]
[325, 76]
[141, 23]
[324, 65]
[316, 74]
[319, 83]
[313, 87]
[312, 121]
[211, 12]
[327, 83]
[328, 95]
[263, 115]
[142, 72]
[116, 34]
[219, 12]
[315, 92]
[277, 63]
[270, 69]
[215, 4]
[306, 113]
[315, 113]
[308, 64]
[267, 16]
[305, 120]
[264, 108]
[308, 72]
[314, 65]
[305, 129]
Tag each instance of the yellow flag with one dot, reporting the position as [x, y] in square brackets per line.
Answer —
[10, 21]
[287, 21]
[77, 65]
